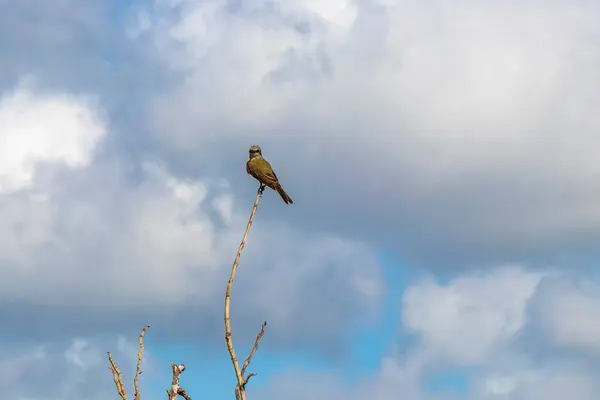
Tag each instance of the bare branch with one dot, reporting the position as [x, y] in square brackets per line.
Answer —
[240, 389]
[254, 348]
[247, 379]
[175, 388]
[138, 369]
[117, 377]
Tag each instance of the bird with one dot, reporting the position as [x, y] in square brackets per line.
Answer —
[260, 169]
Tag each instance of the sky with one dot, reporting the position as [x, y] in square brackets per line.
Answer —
[442, 157]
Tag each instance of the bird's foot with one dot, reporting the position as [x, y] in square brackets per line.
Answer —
[261, 189]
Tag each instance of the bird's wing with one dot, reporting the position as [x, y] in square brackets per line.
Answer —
[262, 170]
[269, 173]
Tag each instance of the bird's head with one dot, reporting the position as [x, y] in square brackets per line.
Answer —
[255, 151]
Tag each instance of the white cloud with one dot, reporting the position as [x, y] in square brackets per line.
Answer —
[82, 354]
[224, 206]
[567, 312]
[480, 67]
[119, 245]
[447, 100]
[552, 382]
[44, 127]
[478, 319]
[471, 318]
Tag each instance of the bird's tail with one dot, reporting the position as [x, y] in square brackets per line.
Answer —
[287, 199]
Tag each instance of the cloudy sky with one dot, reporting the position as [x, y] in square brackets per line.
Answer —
[443, 161]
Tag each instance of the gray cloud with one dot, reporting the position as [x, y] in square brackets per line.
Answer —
[562, 319]
[453, 137]
[473, 317]
[452, 146]
[89, 241]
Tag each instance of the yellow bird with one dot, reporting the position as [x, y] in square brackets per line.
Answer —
[260, 168]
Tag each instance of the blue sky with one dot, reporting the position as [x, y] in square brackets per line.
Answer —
[442, 244]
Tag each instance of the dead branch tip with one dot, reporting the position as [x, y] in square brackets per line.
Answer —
[176, 390]
[138, 368]
[117, 377]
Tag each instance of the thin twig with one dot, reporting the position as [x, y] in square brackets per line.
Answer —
[240, 390]
[175, 388]
[254, 348]
[138, 369]
[247, 379]
[117, 377]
